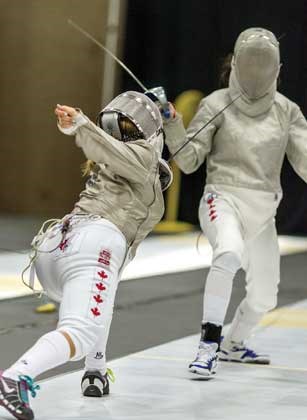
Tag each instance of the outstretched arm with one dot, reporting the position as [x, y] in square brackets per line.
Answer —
[130, 160]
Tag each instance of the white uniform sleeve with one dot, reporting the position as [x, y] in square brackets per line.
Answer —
[194, 153]
[297, 144]
[131, 160]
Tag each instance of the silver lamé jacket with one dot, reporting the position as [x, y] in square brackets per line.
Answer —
[124, 187]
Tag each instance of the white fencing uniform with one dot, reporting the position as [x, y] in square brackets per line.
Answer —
[240, 226]
[83, 274]
[244, 148]
[79, 260]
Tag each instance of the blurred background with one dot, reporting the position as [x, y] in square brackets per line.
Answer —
[172, 43]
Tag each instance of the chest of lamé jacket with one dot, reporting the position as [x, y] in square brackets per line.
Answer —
[124, 186]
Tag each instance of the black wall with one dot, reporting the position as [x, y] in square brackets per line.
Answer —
[179, 44]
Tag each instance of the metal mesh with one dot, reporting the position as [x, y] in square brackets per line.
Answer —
[140, 110]
[256, 61]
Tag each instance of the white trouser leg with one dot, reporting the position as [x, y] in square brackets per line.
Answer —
[90, 282]
[218, 287]
[262, 277]
[84, 272]
[221, 225]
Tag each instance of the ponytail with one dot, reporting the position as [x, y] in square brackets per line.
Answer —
[87, 167]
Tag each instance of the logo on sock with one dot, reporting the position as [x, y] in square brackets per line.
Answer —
[99, 355]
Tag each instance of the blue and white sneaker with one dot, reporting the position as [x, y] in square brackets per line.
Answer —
[239, 352]
[205, 363]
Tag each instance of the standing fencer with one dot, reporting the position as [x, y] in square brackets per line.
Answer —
[81, 257]
[244, 147]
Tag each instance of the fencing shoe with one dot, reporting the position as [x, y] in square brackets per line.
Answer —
[239, 352]
[95, 384]
[14, 396]
[206, 360]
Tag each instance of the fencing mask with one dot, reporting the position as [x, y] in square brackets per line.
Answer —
[146, 116]
[138, 108]
[255, 68]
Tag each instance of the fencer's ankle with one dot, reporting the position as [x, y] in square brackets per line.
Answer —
[211, 332]
[102, 371]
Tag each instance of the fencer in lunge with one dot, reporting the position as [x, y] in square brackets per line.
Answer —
[81, 257]
[244, 148]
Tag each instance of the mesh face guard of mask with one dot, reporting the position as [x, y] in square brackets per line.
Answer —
[138, 108]
[256, 61]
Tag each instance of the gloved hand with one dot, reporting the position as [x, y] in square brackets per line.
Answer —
[69, 119]
[169, 112]
[66, 115]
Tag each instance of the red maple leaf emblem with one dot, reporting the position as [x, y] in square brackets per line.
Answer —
[95, 311]
[102, 274]
[98, 299]
[100, 286]
[64, 245]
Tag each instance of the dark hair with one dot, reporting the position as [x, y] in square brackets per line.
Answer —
[225, 69]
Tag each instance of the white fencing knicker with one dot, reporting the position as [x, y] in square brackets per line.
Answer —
[83, 274]
[240, 226]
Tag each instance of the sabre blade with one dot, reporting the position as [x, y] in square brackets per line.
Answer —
[203, 127]
[101, 46]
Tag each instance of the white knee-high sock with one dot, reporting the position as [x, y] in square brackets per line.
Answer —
[96, 359]
[49, 351]
[219, 287]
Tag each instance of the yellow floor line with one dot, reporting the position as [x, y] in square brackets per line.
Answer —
[248, 365]
[286, 318]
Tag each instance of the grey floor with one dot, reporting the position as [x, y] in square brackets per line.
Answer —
[142, 308]
[154, 383]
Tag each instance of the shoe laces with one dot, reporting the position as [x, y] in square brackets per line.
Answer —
[30, 384]
[207, 350]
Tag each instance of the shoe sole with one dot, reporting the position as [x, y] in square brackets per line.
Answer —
[251, 362]
[29, 416]
[92, 391]
[96, 389]
[202, 372]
